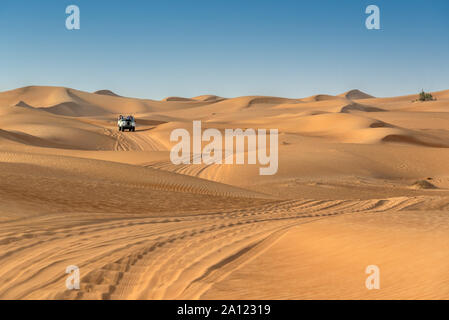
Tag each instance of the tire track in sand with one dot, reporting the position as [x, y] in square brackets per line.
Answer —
[174, 258]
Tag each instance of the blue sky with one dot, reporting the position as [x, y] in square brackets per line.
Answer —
[154, 49]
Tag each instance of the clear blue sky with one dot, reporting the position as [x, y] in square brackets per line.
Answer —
[153, 49]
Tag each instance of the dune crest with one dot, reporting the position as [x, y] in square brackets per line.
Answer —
[106, 93]
[360, 107]
[423, 184]
[177, 99]
[208, 98]
[23, 105]
[355, 95]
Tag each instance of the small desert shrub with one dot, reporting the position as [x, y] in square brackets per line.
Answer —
[424, 96]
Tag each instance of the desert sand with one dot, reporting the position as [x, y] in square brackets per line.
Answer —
[361, 181]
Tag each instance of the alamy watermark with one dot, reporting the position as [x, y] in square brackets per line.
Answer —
[212, 153]
[372, 22]
[73, 280]
[73, 21]
[373, 280]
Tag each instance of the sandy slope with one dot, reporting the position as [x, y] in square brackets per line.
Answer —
[361, 180]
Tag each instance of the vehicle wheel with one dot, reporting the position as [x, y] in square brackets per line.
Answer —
[134, 129]
[119, 129]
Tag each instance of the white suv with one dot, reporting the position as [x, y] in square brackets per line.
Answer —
[126, 123]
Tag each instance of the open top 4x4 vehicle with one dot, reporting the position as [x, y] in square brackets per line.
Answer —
[126, 123]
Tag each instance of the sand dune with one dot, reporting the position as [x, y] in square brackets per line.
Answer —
[361, 181]
[107, 93]
[360, 107]
[208, 97]
[355, 95]
[320, 97]
[349, 95]
[88, 103]
[177, 99]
